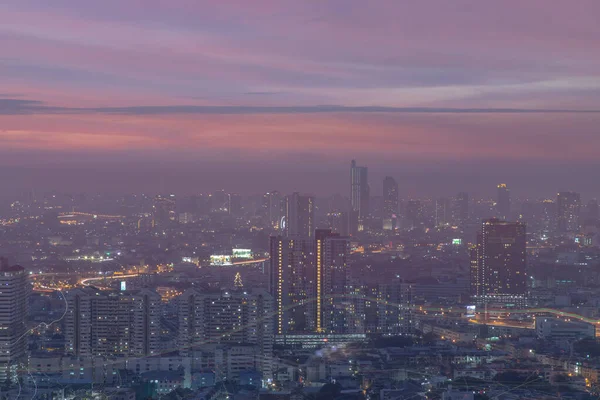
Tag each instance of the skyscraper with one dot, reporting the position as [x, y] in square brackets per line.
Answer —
[332, 308]
[13, 313]
[292, 283]
[359, 192]
[393, 306]
[300, 215]
[498, 260]
[234, 204]
[568, 205]
[503, 201]
[390, 203]
[461, 208]
[274, 206]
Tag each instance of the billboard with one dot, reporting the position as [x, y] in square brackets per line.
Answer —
[219, 259]
[242, 253]
[470, 312]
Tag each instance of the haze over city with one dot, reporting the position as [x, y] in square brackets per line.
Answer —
[299, 200]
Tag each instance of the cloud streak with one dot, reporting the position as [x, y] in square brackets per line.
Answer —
[22, 107]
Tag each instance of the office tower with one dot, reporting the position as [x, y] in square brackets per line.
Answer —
[568, 206]
[461, 208]
[548, 218]
[331, 268]
[163, 210]
[13, 313]
[274, 206]
[390, 203]
[443, 212]
[109, 323]
[300, 215]
[503, 202]
[498, 260]
[226, 317]
[291, 283]
[414, 214]
[359, 192]
[234, 204]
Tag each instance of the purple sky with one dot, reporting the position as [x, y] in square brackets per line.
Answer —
[254, 95]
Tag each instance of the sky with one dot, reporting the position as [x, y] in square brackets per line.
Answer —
[190, 96]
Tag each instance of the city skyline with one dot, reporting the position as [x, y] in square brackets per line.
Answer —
[299, 200]
[183, 179]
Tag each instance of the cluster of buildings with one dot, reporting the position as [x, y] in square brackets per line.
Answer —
[292, 296]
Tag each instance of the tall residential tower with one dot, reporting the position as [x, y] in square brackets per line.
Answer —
[359, 192]
[568, 206]
[503, 202]
[498, 260]
[390, 203]
[13, 314]
[299, 215]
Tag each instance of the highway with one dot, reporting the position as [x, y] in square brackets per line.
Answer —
[86, 281]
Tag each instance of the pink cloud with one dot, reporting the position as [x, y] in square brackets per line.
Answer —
[462, 53]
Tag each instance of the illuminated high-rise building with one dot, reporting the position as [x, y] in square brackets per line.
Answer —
[334, 312]
[498, 260]
[110, 323]
[227, 317]
[292, 283]
[359, 192]
[568, 205]
[392, 312]
[13, 313]
[390, 203]
[300, 215]
[503, 202]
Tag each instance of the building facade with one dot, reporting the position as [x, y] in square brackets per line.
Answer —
[498, 260]
[299, 215]
[108, 323]
[359, 193]
[13, 313]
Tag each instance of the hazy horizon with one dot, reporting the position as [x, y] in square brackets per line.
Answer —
[281, 95]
